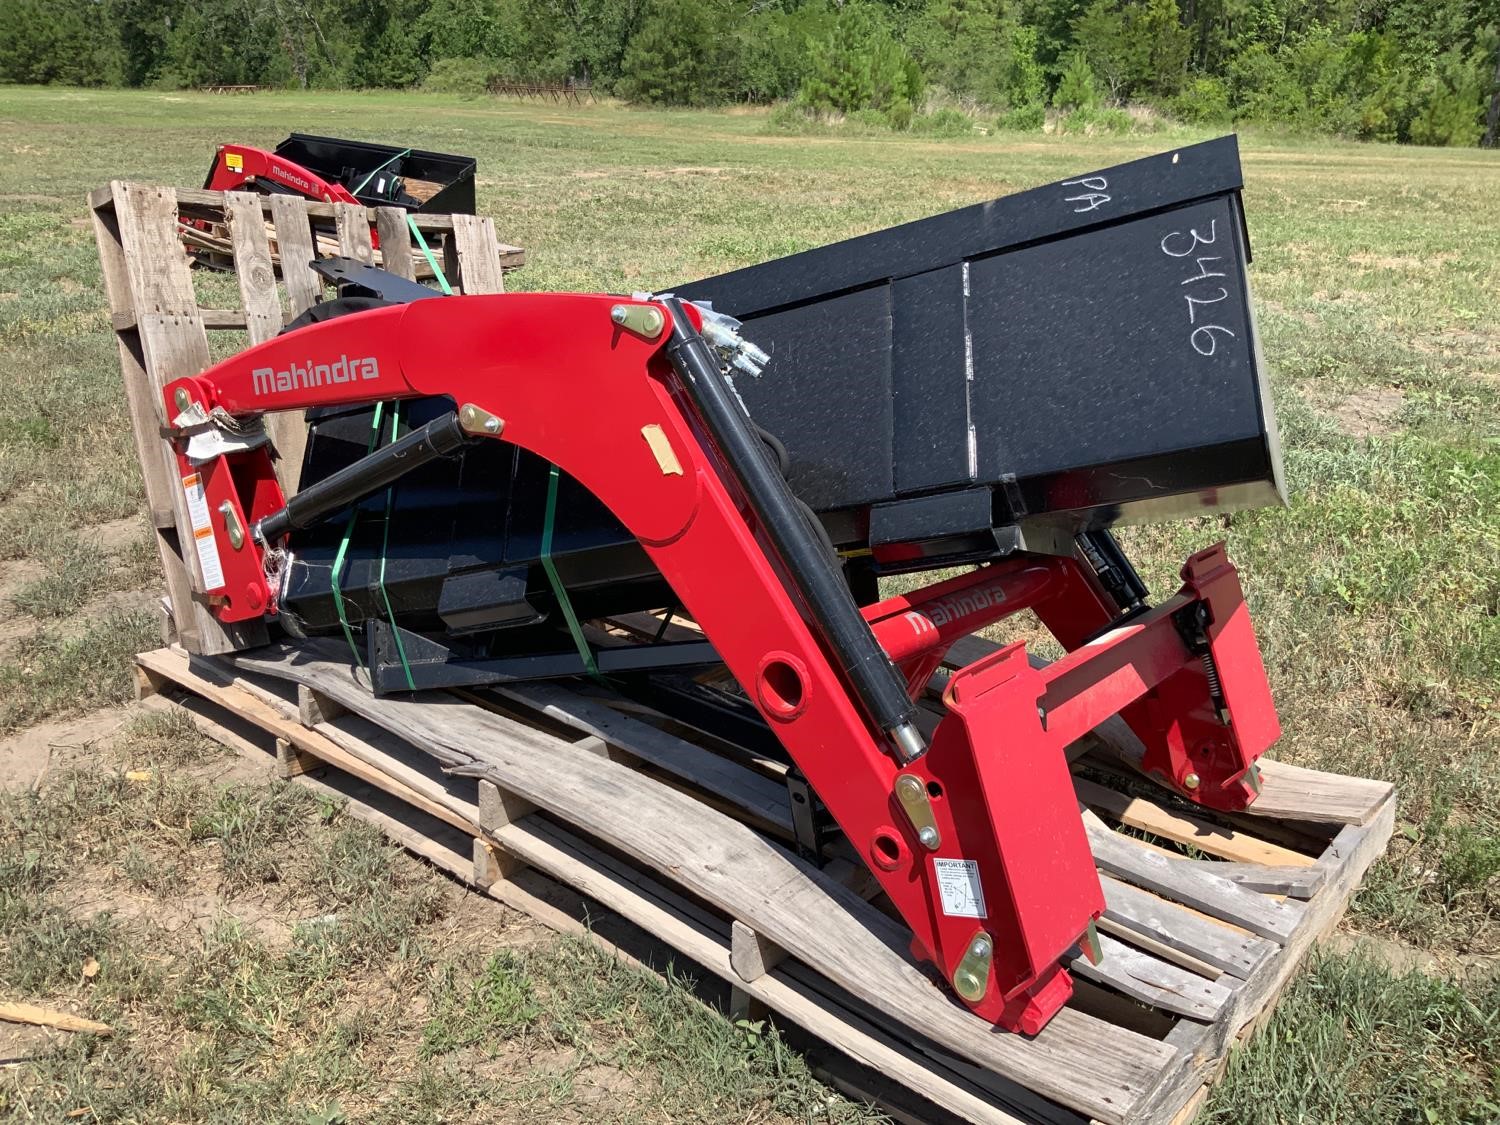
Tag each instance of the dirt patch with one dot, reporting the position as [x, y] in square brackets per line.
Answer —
[192, 910]
[1428, 264]
[1370, 412]
[26, 758]
[1479, 351]
[1402, 958]
[116, 535]
[477, 925]
[18, 573]
[658, 173]
[20, 1042]
[1397, 956]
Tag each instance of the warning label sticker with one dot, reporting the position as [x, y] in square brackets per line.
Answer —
[958, 887]
[203, 532]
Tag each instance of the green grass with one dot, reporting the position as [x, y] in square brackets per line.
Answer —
[1376, 594]
[1352, 1041]
[337, 978]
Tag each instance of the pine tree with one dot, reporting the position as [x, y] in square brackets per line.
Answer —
[671, 60]
[1076, 88]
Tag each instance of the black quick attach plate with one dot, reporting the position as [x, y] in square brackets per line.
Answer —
[1084, 350]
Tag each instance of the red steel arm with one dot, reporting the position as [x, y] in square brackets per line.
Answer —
[992, 871]
[235, 165]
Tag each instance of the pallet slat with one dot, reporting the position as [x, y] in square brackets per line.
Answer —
[146, 274]
[1227, 948]
[294, 242]
[395, 242]
[478, 254]
[1142, 977]
[1192, 885]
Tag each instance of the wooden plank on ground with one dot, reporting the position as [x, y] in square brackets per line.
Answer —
[16, 1012]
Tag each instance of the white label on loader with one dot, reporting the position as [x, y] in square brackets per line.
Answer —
[203, 532]
[958, 887]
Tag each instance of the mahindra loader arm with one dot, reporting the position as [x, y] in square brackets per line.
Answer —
[967, 818]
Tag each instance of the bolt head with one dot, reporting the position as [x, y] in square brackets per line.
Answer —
[618, 314]
[492, 425]
[968, 985]
[1190, 781]
[980, 948]
[928, 836]
[182, 398]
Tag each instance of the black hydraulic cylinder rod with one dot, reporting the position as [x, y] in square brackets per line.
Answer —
[366, 476]
[877, 684]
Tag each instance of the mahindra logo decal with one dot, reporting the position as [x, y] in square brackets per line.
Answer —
[291, 178]
[268, 381]
[943, 610]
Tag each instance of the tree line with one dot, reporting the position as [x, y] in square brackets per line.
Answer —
[1423, 71]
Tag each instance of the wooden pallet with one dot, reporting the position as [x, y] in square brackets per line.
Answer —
[581, 807]
[162, 325]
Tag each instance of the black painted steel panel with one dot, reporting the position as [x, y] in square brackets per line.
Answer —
[1078, 337]
[1069, 357]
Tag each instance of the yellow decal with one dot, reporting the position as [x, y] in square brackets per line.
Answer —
[662, 450]
[234, 162]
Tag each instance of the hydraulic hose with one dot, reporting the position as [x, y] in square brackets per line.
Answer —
[365, 477]
[814, 578]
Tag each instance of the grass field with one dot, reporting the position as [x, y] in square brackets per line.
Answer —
[263, 957]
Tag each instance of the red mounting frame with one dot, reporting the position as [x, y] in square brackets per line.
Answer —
[236, 165]
[1011, 859]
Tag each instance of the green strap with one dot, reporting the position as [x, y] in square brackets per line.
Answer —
[342, 553]
[373, 174]
[437, 270]
[385, 539]
[341, 556]
[558, 590]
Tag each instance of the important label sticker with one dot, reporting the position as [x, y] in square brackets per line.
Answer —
[203, 532]
[958, 887]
